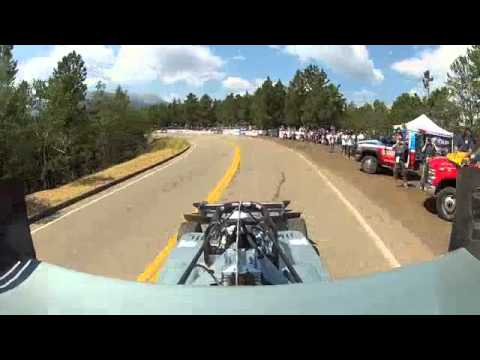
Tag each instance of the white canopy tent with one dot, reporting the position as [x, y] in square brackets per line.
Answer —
[423, 123]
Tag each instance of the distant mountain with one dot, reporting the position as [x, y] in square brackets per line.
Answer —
[139, 100]
[143, 100]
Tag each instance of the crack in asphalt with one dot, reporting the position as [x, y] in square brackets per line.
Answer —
[279, 187]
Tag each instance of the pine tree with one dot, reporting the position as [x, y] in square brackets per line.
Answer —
[442, 109]
[8, 70]
[191, 111]
[67, 153]
[263, 105]
[278, 105]
[206, 111]
[8, 66]
[464, 84]
[294, 100]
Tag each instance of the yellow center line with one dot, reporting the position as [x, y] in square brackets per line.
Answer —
[152, 270]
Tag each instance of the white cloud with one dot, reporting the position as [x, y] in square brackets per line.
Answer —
[275, 46]
[239, 57]
[351, 60]
[436, 60]
[96, 58]
[238, 85]
[192, 64]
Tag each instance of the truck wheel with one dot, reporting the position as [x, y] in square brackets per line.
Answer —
[369, 164]
[188, 227]
[297, 224]
[446, 203]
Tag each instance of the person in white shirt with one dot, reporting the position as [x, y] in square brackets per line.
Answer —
[349, 143]
[344, 143]
[333, 138]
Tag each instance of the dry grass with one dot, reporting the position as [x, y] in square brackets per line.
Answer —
[160, 149]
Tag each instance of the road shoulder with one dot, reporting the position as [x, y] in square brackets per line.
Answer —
[403, 241]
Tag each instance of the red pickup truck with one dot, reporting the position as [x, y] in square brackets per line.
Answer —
[442, 182]
[374, 154]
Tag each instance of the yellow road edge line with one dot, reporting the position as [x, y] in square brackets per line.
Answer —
[153, 267]
[151, 271]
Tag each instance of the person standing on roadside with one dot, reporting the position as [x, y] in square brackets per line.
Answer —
[360, 136]
[343, 138]
[333, 138]
[349, 143]
[401, 158]
[398, 135]
[429, 150]
[355, 142]
[466, 143]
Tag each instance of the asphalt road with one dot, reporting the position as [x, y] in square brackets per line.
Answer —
[118, 232]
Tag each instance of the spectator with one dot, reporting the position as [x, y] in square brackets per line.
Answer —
[401, 160]
[457, 138]
[349, 142]
[332, 138]
[291, 133]
[343, 138]
[466, 142]
[345, 141]
[428, 151]
[301, 134]
[397, 136]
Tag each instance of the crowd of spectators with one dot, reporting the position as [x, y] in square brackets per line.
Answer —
[343, 138]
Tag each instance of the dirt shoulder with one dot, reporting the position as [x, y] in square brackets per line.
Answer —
[408, 206]
[160, 150]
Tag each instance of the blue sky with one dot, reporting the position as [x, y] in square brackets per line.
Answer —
[364, 72]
